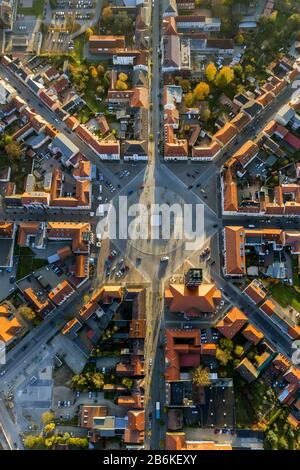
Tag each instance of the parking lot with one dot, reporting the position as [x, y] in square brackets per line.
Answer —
[56, 40]
[104, 190]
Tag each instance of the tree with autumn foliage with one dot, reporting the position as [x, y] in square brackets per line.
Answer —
[201, 91]
[107, 14]
[123, 76]
[189, 100]
[89, 32]
[224, 356]
[93, 72]
[224, 77]
[121, 86]
[27, 312]
[210, 72]
[201, 377]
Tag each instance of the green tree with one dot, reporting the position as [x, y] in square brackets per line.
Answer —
[98, 380]
[100, 70]
[271, 440]
[122, 22]
[223, 355]
[79, 382]
[249, 69]
[238, 70]
[240, 39]
[282, 443]
[34, 442]
[13, 150]
[205, 114]
[93, 72]
[100, 90]
[79, 442]
[238, 350]
[226, 343]
[185, 84]
[127, 382]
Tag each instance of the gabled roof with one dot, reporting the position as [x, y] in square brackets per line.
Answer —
[202, 299]
[8, 328]
[252, 334]
[232, 322]
[226, 134]
[235, 260]
[230, 192]
[255, 291]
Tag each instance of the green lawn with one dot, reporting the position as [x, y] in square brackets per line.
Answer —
[93, 106]
[286, 296]
[244, 412]
[36, 9]
[78, 46]
[27, 263]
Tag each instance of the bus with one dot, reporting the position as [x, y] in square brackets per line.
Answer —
[157, 410]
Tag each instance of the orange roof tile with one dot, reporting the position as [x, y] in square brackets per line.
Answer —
[89, 412]
[6, 229]
[175, 349]
[27, 229]
[255, 291]
[235, 260]
[70, 231]
[230, 192]
[234, 320]
[281, 362]
[135, 431]
[205, 152]
[177, 441]
[61, 292]
[8, 329]
[246, 152]
[252, 334]
[192, 301]
[240, 121]
[35, 301]
[226, 134]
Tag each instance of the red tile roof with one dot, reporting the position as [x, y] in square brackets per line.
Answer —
[234, 320]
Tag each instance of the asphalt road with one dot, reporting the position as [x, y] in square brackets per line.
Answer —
[9, 428]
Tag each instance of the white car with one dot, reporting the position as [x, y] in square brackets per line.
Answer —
[164, 258]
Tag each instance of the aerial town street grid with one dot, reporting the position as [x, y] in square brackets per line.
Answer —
[149, 225]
